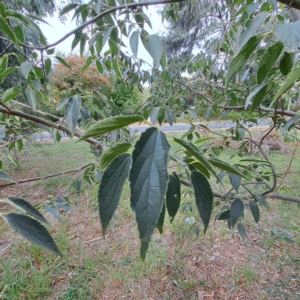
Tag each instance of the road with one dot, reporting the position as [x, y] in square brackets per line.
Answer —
[175, 127]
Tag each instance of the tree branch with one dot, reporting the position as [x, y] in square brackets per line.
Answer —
[111, 10]
[272, 195]
[48, 176]
[77, 132]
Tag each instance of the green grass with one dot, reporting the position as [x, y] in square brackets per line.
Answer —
[178, 264]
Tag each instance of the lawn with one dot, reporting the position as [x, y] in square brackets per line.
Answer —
[179, 265]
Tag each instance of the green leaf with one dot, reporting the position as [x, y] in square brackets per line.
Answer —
[110, 124]
[289, 35]
[194, 151]
[241, 230]
[7, 72]
[235, 181]
[169, 116]
[203, 195]
[19, 33]
[4, 176]
[32, 230]
[10, 94]
[110, 154]
[38, 18]
[6, 29]
[236, 210]
[72, 112]
[14, 161]
[291, 78]
[259, 97]
[173, 196]
[254, 210]
[154, 114]
[225, 215]
[268, 60]
[134, 42]
[60, 202]
[30, 97]
[111, 186]
[194, 164]
[26, 207]
[289, 123]
[286, 63]
[52, 210]
[82, 43]
[204, 139]
[106, 35]
[261, 199]
[99, 67]
[239, 61]
[254, 92]
[48, 64]
[154, 47]
[148, 182]
[60, 59]
[62, 103]
[161, 219]
[113, 46]
[250, 29]
[25, 68]
[226, 167]
[68, 8]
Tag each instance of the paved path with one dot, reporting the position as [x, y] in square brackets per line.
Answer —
[176, 127]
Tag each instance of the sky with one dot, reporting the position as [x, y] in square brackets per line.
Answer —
[57, 30]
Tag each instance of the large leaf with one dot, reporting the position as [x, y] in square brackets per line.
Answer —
[173, 196]
[286, 63]
[110, 154]
[268, 60]
[236, 210]
[72, 112]
[169, 116]
[235, 180]
[193, 150]
[111, 186]
[4, 176]
[32, 230]
[10, 94]
[30, 97]
[239, 61]
[25, 68]
[154, 47]
[259, 97]
[241, 230]
[134, 43]
[25, 207]
[289, 35]
[154, 114]
[292, 77]
[226, 167]
[110, 124]
[203, 195]
[5, 28]
[148, 182]
[254, 210]
[251, 28]
[254, 92]
[61, 60]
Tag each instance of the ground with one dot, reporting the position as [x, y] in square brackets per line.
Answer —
[179, 265]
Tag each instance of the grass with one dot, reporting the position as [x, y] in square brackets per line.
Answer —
[179, 265]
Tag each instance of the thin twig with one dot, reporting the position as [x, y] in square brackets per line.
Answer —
[48, 176]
